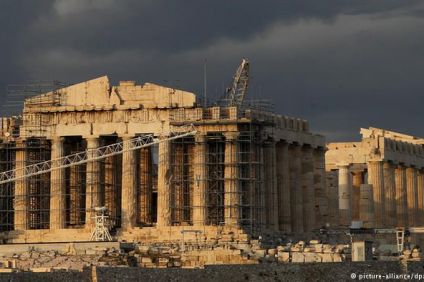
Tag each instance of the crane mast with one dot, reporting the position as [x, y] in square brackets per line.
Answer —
[237, 91]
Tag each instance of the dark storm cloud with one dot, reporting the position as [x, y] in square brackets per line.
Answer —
[340, 64]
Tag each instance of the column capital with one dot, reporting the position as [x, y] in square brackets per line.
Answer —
[357, 171]
[231, 135]
[269, 142]
[200, 137]
[126, 137]
[57, 139]
[387, 164]
[376, 161]
[343, 165]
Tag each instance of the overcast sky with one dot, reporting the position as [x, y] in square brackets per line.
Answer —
[340, 64]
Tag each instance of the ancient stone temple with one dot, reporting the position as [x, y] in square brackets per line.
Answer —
[244, 173]
[379, 180]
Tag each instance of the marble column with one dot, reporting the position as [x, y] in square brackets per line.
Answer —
[110, 185]
[320, 186]
[357, 181]
[376, 179]
[57, 187]
[20, 204]
[401, 201]
[420, 188]
[345, 191]
[271, 185]
[164, 184]
[200, 180]
[283, 183]
[129, 185]
[296, 193]
[308, 188]
[390, 195]
[92, 198]
[231, 197]
[412, 196]
[145, 196]
[366, 206]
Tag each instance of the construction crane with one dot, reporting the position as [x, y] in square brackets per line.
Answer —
[92, 155]
[236, 93]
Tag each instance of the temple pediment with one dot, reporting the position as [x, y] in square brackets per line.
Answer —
[99, 92]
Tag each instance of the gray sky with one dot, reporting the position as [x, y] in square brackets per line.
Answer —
[340, 64]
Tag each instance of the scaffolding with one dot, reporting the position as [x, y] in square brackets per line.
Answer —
[99, 183]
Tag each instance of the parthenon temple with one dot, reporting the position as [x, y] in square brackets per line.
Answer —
[378, 181]
[245, 172]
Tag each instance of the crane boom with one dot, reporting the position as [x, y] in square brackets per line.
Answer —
[237, 92]
[89, 155]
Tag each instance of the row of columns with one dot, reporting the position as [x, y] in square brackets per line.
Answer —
[93, 182]
[396, 199]
[292, 190]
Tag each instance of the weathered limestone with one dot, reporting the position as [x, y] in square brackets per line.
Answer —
[21, 190]
[376, 179]
[296, 195]
[200, 174]
[308, 189]
[93, 183]
[357, 181]
[57, 187]
[110, 185]
[392, 161]
[271, 203]
[74, 197]
[412, 195]
[238, 182]
[390, 195]
[145, 192]
[344, 195]
[164, 185]
[283, 183]
[401, 201]
[231, 197]
[420, 192]
[321, 200]
[366, 206]
[129, 188]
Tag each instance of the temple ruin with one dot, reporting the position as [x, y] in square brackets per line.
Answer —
[245, 172]
[378, 181]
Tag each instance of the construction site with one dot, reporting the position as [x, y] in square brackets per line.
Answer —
[93, 169]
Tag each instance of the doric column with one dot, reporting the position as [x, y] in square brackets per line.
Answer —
[420, 188]
[308, 188]
[344, 195]
[164, 183]
[92, 198]
[320, 186]
[20, 205]
[129, 185]
[412, 195]
[145, 196]
[231, 197]
[376, 179]
[110, 193]
[357, 181]
[271, 185]
[199, 195]
[366, 206]
[283, 183]
[57, 187]
[390, 195]
[401, 202]
[296, 193]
